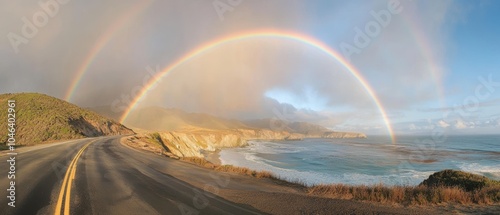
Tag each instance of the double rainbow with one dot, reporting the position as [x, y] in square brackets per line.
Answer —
[433, 68]
[103, 40]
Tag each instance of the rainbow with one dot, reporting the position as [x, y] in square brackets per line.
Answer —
[101, 43]
[259, 34]
[433, 68]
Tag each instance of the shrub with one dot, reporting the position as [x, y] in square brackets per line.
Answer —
[452, 178]
[447, 186]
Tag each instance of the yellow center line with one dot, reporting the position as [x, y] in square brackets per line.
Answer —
[66, 186]
[63, 187]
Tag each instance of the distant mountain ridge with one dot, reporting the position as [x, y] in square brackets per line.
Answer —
[168, 119]
[292, 127]
[42, 118]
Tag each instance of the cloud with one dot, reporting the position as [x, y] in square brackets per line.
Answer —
[488, 103]
[460, 124]
[232, 80]
[443, 124]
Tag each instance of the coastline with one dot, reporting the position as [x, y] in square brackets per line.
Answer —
[357, 162]
[264, 191]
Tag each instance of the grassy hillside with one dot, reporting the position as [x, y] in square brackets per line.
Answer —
[41, 118]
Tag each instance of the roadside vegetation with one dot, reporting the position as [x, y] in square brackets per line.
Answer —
[448, 186]
[422, 194]
[229, 168]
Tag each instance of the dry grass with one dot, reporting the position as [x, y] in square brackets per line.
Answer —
[245, 171]
[229, 168]
[408, 195]
[199, 161]
[405, 195]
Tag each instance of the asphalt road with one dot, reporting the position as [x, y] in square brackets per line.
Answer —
[101, 176]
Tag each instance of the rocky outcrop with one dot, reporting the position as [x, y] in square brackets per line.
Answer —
[190, 144]
[94, 128]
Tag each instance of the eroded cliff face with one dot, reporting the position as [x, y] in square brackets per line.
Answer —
[94, 128]
[193, 143]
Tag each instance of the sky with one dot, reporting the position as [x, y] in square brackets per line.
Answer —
[432, 65]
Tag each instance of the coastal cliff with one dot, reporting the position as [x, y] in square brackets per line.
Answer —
[193, 143]
[182, 134]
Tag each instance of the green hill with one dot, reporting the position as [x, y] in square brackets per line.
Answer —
[41, 118]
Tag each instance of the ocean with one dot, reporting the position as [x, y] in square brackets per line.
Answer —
[369, 161]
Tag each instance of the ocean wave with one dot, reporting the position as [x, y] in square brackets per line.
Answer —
[272, 148]
[486, 170]
[252, 161]
[356, 163]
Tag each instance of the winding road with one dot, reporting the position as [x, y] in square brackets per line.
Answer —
[102, 176]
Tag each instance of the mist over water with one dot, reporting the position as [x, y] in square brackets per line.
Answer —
[369, 161]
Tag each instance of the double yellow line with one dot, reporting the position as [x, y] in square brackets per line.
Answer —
[66, 186]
